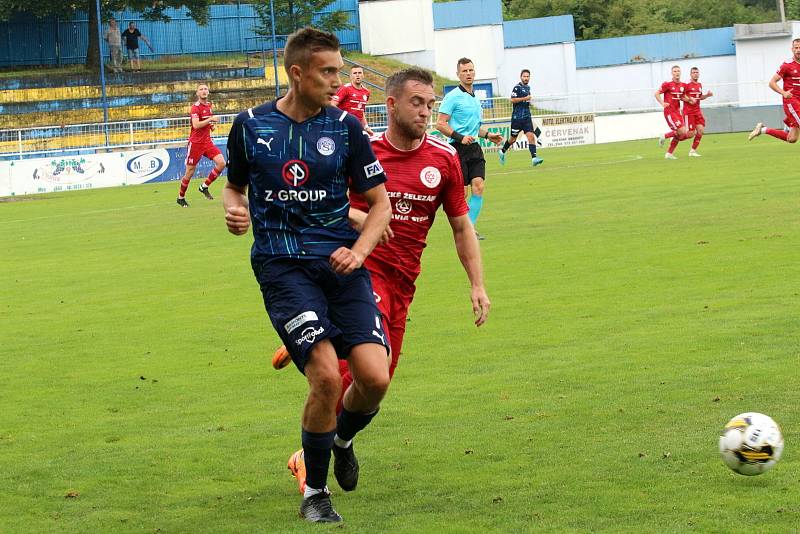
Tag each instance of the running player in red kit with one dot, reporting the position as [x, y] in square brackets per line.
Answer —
[692, 114]
[353, 97]
[674, 92]
[423, 173]
[790, 73]
[200, 144]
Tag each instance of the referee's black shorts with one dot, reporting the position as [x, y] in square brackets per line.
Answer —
[473, 165]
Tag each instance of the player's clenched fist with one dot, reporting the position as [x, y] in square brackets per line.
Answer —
[238, 220]
[345, 261]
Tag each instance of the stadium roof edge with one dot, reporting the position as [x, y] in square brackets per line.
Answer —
[539, 31]
[466, 13]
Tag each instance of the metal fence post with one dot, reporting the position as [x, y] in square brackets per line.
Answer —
[102, 70]
[274, 49]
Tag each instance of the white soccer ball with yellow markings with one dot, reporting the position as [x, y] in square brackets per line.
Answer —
[751, 443]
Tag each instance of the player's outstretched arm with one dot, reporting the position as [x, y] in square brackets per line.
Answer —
[470, 255]
[237, 215]
[346, 260]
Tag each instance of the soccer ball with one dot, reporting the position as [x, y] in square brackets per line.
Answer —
[751, 443]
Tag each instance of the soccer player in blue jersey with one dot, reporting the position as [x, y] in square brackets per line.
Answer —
[289, 165]
[521, 120]
[460, 120]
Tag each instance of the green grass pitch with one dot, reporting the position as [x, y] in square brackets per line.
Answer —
[637, 305]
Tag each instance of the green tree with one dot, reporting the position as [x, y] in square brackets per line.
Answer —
[150, 9]
[291, 15]
[595, 19]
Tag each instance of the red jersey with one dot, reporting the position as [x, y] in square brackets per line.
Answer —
[201, 112]
[352, 100]
[418, 182]
[790, 72]
[673, 91]
[694, 90]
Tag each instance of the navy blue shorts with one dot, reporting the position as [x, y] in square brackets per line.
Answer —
[308, 302]
[521, 125]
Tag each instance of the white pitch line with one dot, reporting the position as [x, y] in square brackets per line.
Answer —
[108, 210]
[629, 159]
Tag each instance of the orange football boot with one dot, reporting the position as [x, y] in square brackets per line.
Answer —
[281, 358]
[297, 465]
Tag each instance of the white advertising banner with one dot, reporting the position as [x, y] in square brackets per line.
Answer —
[556, 131]
[567, 130]
[70, 173]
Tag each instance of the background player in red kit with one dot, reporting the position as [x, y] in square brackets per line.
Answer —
[692, 114]
[353, 97]
[789, 71]
[674, 93]
[423, 173]
[200, 144]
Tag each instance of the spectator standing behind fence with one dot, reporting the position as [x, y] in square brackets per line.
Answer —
[131, 36]
[114, 39]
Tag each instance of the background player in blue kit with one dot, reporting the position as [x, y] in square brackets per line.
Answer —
[521, 120]
[289, 162]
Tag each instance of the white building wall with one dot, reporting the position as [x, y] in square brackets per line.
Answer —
[395, 27]
[404, 30]
[626, 87]
[757, 60]
[552, 68]
[482, 44]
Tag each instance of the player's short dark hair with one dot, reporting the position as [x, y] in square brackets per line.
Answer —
[523, 71]
[694, 68]
[397, 81]
[675, 67]
[356, 67]
[795, 40]
[463, 61]
[307, 41]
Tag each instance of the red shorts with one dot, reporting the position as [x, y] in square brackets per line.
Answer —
[196, 151]
[692, 120]
[393, 298]
[673, 118]
[791, 108]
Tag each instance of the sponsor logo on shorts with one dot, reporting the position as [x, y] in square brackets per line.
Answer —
[430, 177]
[373, 169]
[309, 335]
[300, 320]
[326, 146]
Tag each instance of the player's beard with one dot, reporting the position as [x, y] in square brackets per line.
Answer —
[409, 129]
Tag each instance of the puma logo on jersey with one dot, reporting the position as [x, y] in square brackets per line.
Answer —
[262, 142]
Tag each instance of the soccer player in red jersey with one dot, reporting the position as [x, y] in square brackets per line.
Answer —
[674, 93]
[353, 97]
[789, 72]
[692, 114]
[423, 173]
[200, 144]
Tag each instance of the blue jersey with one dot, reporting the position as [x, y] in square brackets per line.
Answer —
[298, 176]
[464, 109]
[521, 110]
